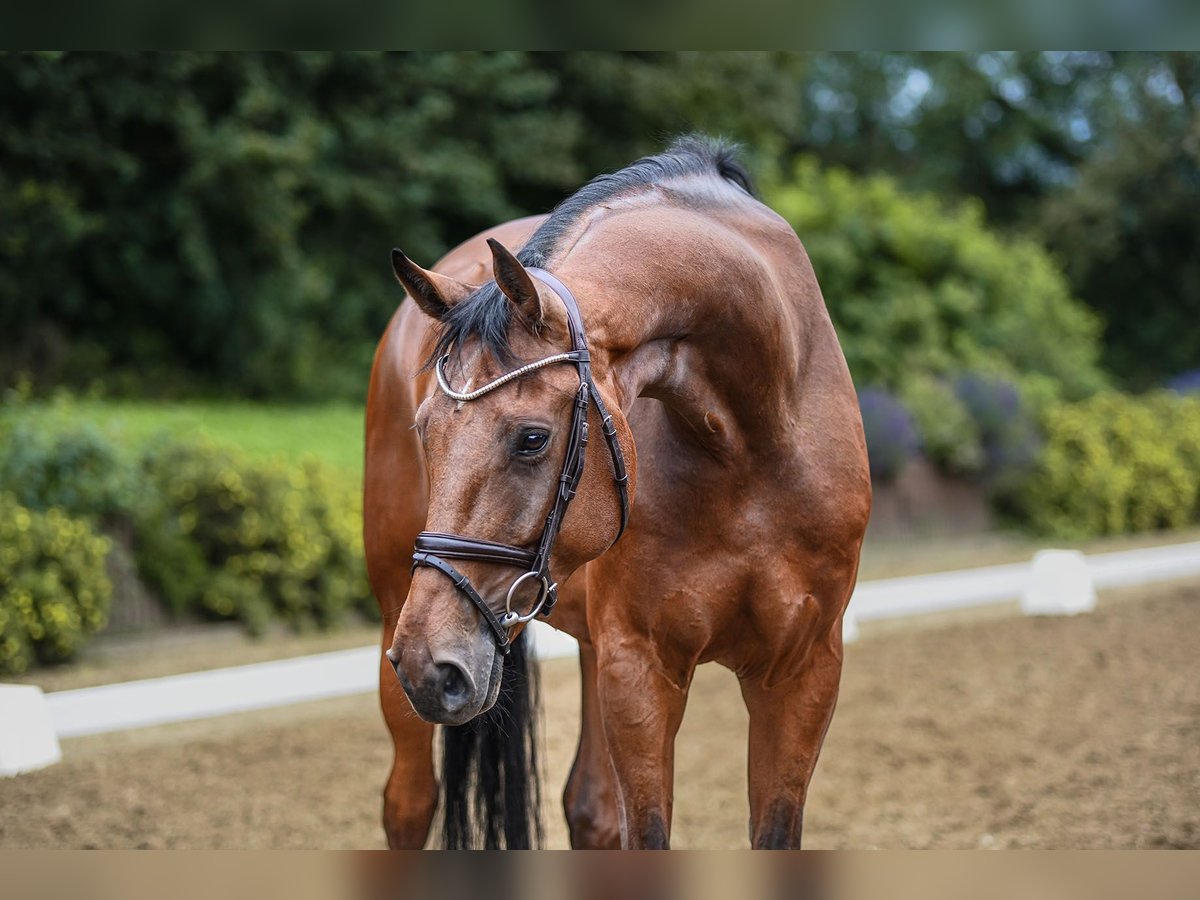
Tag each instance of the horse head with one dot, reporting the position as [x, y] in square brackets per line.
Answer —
[513, 510]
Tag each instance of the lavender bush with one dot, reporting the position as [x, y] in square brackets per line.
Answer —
[892, 438]
[1010, 439]
[1185, 382]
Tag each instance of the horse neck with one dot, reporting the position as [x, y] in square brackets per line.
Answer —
[693, 311]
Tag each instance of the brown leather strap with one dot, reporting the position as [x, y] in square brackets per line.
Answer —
[579, 342]
[449, 546]
[463, 583]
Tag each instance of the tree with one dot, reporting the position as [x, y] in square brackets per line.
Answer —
[918, 287]
[1129, 234]
[1008, 128]
[196, 221]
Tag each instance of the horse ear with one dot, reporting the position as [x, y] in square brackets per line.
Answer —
[516, 284]
[434, 293]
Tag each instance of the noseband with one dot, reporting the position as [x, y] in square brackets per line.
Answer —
[434, 548]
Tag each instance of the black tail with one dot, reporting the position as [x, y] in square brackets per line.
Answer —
[491, 793]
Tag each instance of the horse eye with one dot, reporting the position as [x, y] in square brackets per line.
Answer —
[532, 442]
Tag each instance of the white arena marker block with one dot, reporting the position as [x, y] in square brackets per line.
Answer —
[550, 643]
[27, 737]
[849, 627]
[1060, 584]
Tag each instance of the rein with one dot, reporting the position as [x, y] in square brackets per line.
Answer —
[433, 548]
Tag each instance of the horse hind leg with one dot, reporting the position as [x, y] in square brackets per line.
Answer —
[590, 798]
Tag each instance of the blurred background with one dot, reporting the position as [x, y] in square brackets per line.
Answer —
[194, 273]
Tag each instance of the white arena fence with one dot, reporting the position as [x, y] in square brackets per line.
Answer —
[1064, 575]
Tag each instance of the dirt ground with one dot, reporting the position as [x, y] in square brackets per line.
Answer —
[982, 730]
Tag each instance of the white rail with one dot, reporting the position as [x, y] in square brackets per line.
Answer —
[892, 598]
[199, 695]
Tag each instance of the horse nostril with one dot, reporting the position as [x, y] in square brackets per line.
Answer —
[393, 656]
[455, 687]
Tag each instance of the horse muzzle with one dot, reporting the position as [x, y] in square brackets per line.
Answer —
[451, 687]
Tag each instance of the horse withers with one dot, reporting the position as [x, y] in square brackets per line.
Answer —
[641, 424]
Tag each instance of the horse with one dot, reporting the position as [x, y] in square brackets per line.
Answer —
[669, 322]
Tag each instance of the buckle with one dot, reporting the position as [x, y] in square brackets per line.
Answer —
[509, 618]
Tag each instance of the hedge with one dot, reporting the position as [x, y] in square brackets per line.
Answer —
[918, 287]
[214, 534]
[973, 426]
[54, 589]
[950, 439]
[1116, 463]
[250, 540]
[47, 463]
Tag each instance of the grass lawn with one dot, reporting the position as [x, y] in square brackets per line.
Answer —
[332, 432]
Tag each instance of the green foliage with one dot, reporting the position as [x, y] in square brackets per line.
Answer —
[193, 222]
[1097, 151]
[214, 533]
[54, 588]
[1129, 235]
[251, 541]
[1009, 128]
[1116, 463]
[918, 288]
[186, 221]
[78, 469]
[950, 438]
[891, 434]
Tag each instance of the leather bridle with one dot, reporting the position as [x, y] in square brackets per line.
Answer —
[433, 548]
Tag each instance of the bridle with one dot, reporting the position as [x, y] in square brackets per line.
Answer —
[433, 548]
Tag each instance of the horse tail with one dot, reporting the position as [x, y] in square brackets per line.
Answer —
[490, 789]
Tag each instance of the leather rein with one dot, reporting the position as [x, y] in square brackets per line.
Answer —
[434, 548]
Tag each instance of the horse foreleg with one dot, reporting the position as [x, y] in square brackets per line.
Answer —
[642, 705]
[410, 797]
[788, 721]
[590, 798]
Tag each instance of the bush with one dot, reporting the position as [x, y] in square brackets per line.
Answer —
[892, 439]
[1128, 232]
[251, 541]
[76, 468]
[950, 438]
[1008, 434]
[917, 287]
[1185, 382]
[1116, 463]
[54, 588]
[211, 533]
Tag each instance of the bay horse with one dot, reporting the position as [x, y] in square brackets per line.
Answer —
[665, 313]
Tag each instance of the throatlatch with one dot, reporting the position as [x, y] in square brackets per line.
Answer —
[434, 548]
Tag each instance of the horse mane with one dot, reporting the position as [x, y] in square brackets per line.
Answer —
[487, 315]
